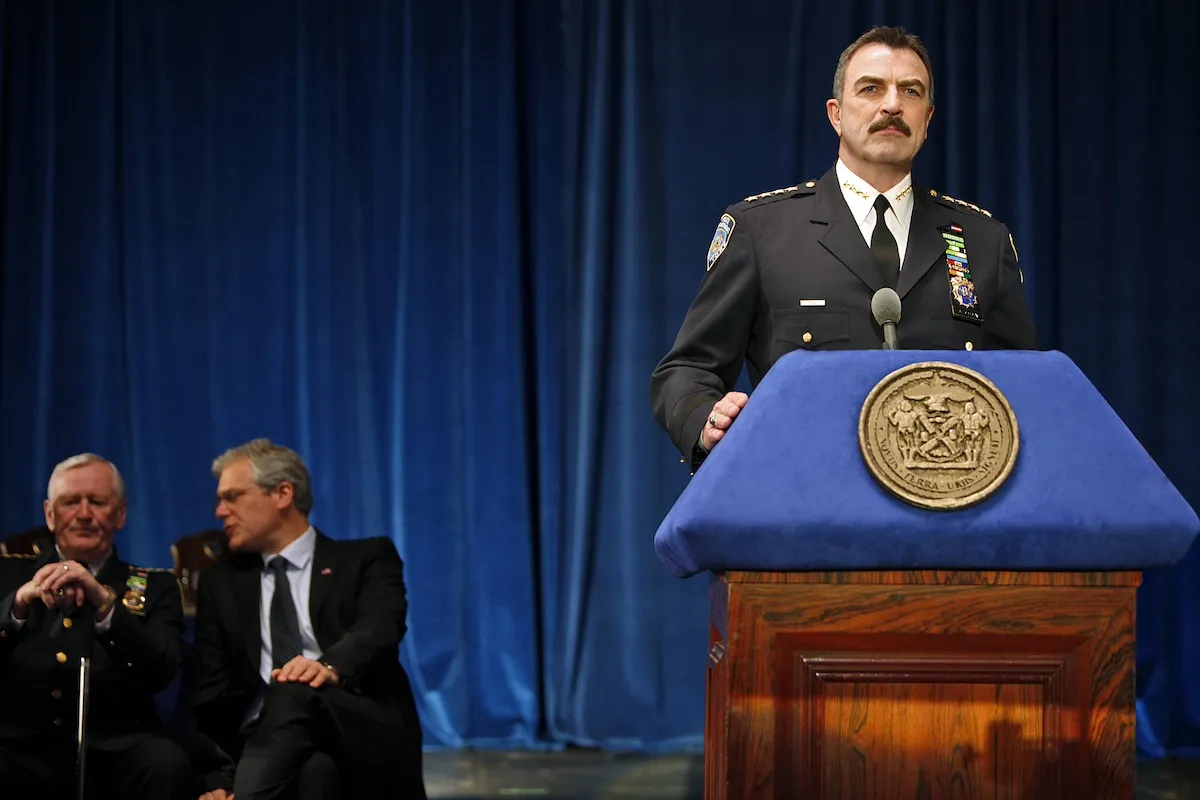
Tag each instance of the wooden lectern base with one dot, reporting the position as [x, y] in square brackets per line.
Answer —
[921, 686]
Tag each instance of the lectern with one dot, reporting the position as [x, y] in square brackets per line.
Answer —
[863, 647]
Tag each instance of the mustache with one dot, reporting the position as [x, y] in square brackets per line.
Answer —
[890, 122]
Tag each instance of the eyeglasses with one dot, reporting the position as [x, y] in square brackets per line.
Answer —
[230, 496]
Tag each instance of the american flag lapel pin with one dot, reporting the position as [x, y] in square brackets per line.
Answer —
[326, 571]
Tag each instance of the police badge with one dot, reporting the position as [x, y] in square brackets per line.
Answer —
[135, 592]
[963, 291]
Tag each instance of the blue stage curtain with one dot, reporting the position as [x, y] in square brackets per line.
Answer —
[438, 248]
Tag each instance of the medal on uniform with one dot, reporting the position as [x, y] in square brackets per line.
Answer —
[135, 593]
[964, 304]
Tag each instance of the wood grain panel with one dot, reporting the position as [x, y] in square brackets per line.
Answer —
[716, 720]
[939, 577]
[949, 687]
[944, 724]
[910, 740]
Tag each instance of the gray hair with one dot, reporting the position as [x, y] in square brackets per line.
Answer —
[270, 465]
[894, 38]
[79, 461]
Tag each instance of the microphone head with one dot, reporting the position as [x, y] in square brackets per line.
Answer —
[885, 306]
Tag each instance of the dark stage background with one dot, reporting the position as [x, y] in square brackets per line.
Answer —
[437, 247]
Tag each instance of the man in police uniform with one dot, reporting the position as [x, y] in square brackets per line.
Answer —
[52, 605]
[796, 268]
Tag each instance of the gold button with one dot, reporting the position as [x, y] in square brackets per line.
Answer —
[67, 622]
[970, 346]
[807, 337]
[58, 721]
[129, 664]
[62, 657]
[3, 634]
[56, 694]
[810, 184]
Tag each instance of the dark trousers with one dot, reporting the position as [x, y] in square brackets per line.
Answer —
[144, 768]
[322, 744]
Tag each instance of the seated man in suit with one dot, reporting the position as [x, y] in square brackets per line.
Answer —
[297, 635]
[76, 597]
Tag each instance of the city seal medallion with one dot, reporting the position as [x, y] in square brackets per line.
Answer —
[938, 436]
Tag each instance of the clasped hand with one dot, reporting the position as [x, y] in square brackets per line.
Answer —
[63, 584]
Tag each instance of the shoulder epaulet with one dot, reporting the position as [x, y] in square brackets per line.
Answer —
[780, 194]
[954, 202]
[133, 568]
[22, 556]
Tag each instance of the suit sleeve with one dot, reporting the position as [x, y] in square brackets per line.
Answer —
[214, 710]
[1009, 320]
[212, 676]
[152, 645]
[381, 611]
[707, 356]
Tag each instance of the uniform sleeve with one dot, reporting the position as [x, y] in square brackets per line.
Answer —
[10, 630]
[707, 356]
[1009, 321]
[151, 645]
[12, 574]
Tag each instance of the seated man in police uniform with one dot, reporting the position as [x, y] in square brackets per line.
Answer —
[797, 268]
[51, 605]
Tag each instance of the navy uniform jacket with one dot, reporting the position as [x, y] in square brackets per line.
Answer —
[139, 655]
[802, 243]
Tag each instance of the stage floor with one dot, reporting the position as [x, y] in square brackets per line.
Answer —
[591, 775]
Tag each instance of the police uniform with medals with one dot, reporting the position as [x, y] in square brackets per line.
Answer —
[137, 654]
[792, 270]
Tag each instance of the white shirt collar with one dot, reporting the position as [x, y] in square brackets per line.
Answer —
[299, 551]
[860, 196]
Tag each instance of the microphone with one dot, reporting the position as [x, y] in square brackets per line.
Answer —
[885, 306]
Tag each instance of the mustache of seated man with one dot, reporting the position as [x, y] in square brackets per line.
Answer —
[890, 122]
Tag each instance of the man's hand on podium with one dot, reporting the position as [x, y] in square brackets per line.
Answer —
[723, 413]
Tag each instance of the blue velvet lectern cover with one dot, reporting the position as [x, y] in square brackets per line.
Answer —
[787, 488]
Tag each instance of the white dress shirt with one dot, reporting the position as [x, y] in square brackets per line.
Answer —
[860, 196]
[103, 625]
[299, 555]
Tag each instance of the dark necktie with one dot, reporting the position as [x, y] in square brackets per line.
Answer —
[883, 246]
[285, 628]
